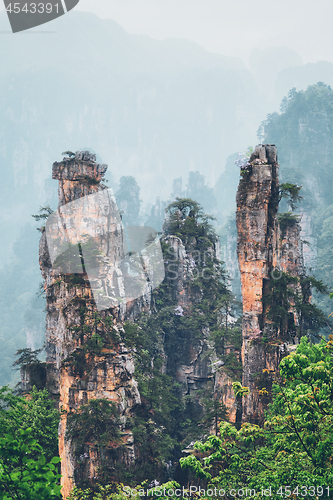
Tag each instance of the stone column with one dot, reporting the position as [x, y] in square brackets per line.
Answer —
[257, 204]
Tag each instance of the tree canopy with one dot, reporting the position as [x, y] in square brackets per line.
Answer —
[294, 447]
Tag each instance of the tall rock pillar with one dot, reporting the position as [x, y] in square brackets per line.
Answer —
[85, 358]
[264, 251]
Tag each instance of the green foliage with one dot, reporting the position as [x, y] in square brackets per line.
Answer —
[289, 294]
[244, 162]
[295, 445]
[239, 390]
[154, 424]
[91, 181]
[280, 295]
[123, 492]
[37, 412]
[33, 368]
[44, 213]
[25, 473]
[227, 335]
[27, 356]
[214, 411]
[229, 329]
[166, 421]
[287, 219]
[232, 366]
[291, 193]
[96, 423]
[94, 333]
[187, 220]
[29, 443]
[95, 427]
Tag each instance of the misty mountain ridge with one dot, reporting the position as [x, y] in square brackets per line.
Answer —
[91, 38]
[155, 110]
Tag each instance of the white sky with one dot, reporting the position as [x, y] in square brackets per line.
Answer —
[231, 27]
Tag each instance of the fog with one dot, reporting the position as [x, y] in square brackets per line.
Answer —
[230, 28]
[161, 91]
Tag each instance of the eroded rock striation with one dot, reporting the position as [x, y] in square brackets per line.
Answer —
[267, 251]
[78, 368]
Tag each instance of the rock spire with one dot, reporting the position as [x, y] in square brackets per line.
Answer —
[265, 251]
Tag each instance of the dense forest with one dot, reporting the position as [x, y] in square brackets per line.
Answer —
[290, 454]
[184, 440]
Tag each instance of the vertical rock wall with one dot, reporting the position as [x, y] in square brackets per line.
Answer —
[72, 319]
[263, 251]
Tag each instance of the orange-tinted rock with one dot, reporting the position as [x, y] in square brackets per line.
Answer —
[70, 323]
[262, 248]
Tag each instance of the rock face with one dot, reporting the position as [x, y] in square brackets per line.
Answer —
[77, 369]
[200, 371]
[80, 253]
[264, 250]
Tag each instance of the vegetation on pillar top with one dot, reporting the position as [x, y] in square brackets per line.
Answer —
[80, 166]
[187, 220]
[263, 154]
[68, 153]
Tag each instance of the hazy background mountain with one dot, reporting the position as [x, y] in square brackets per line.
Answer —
[156, 110]
[153, 109]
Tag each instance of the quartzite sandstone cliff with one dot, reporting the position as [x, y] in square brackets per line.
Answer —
[264, 251]
[72, 319]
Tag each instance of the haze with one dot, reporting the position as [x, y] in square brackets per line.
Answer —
[121, 78]
[231, 28]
